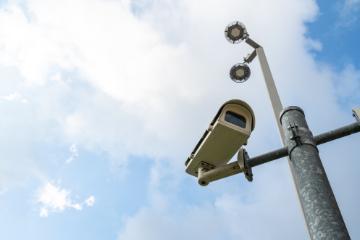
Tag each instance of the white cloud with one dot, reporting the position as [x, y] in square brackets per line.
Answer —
[150, 84]
[54, 199]
[348, 86]
[14, 97]
[348, 13]
[44, 212]
[248, 211]
[90, 201]
[74, 153]
[151, 76]
[2, 190]
[314, 45]
[351, 5]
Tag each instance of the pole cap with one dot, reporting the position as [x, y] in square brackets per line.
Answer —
[290, 108]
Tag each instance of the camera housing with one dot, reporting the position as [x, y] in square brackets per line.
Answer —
[228, 131]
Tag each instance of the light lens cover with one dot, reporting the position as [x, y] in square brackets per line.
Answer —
[240, 72]
[236, 32]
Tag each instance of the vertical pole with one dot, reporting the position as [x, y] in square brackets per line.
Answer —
[270, 85]
[321, 212]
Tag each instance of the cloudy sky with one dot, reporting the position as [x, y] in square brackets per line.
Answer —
[101, 102]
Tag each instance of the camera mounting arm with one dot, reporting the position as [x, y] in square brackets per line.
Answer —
[207, 176]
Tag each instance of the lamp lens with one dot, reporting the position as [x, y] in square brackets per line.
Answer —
[240, 72]
[235, 32]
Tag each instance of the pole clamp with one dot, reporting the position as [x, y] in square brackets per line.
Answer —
[299, 136]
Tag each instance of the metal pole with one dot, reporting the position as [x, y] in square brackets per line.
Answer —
[337, 133]
[321, 212]
[270, 85]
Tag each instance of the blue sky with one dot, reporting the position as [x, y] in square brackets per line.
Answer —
[336, 26]
[102, 101]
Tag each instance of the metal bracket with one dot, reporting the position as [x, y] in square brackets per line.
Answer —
[252, 43]
[207, 174]
[356, 113]
[294, 134]
[299, 136]
[249, 58]
[203, 168]
[206, 166]
[243, 159]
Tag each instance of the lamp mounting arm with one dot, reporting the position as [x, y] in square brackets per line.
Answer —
[252, 43]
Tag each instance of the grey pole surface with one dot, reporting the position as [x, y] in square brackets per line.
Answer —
[322, 214]
[271, 87]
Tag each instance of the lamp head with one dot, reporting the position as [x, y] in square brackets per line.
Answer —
[235, 32]
[240, 72]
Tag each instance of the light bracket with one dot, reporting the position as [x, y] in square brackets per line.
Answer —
[356, 113]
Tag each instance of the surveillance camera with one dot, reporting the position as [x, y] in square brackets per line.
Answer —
[228, 131]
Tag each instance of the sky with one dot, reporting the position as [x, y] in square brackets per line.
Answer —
[102, 101]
